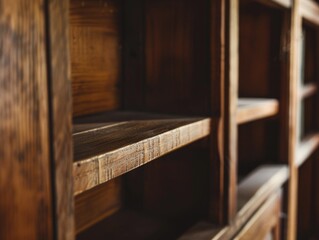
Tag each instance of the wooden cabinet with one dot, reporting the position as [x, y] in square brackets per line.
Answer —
[159, 119]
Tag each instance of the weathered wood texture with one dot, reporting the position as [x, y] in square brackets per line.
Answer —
[61, 117]
[25, 184]
[250, 109]
[95, 46]
[105, 152]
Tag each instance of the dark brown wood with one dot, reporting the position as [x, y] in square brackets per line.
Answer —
[25, 181]
[95, 47]
[61, 117]
[105, 152]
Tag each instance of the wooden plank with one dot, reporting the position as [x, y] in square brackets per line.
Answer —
[61, 117]
[252, 193]
[308, 90]
[309, 10]
[306, 148]
[95, 48]
[97, 203]
[250, 109]
[107, 152]
[265, 221]
[25, 184]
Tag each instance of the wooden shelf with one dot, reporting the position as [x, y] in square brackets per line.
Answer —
[109, 145]
[308, 90]
[307, 147]
[253, 191]
[309, 10]
[250, 109]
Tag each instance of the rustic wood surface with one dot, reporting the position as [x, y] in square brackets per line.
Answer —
[61, 117]
[95, 47]
[25, 184]
[103, 153]
[250, 109]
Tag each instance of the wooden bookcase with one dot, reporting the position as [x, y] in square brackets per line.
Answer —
[159, 119]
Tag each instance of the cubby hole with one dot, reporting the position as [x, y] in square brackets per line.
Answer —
[261, 81]
[136, 60]
[159, 200]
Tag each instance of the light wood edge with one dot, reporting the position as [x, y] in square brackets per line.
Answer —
[306, 148]
[309, 10]
[257, 111]
[275, 3]
[272, 204]
[98, 170]
[308, 90]
[277, 179]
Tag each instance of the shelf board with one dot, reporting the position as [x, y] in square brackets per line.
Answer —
[110, 145]
[308, 90]
[253, 191]
[306, 148]
[309, 10]
[250, 109]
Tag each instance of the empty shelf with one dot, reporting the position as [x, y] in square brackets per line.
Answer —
[106, 147]
[306, 148]
[250, 109]
[253, 191]
[309, 10]
[308, 90]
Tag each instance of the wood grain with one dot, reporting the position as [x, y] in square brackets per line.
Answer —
[61, 117]
[176, 57]
[250, 109]
[95, 46]
[25, 184]
[107, 152]
[309, 10]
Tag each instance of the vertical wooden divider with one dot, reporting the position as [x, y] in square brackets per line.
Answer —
[224, 75]
[61, 116]
[295, 37]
